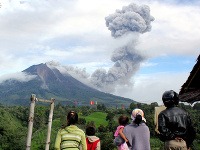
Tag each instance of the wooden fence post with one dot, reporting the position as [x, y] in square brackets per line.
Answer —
[49, 125]
[30, 122]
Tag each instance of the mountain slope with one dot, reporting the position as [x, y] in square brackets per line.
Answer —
[50, 83]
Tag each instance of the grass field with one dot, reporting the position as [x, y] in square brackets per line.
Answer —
[99, 118]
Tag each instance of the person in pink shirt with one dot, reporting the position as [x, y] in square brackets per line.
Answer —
[123, 121]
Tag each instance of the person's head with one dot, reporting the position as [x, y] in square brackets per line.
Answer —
[123, 120]
[137, 116]
[90, 131]
[72, 118]
[170, 98]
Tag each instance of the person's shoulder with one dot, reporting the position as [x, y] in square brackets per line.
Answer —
[93, 138]
[80, 130]
[128, 125]
[61, 129]
[143, 124]
[163, 112]
[131, 125]
[180, 109]
[120, 126]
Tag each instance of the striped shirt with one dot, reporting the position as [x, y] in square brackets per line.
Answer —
[70, 138]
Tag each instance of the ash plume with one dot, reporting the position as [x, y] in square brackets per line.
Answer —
[131, 20]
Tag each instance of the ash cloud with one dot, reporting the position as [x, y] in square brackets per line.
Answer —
[77, 73]
[131, 20]
[125, 25]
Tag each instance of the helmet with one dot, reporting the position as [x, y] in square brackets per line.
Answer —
[170, 98]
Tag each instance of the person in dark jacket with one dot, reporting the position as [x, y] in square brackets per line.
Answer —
[174, 124]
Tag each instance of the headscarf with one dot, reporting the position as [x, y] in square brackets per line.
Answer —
[136, 112]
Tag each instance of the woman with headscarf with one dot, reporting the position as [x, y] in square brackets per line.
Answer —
[137, 132]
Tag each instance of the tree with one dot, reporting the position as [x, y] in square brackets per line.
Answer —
[107, 141]
[81, 121]
[112, 125]
[110, 116]
[11, 135]
[102, 128]
[133, 105]
[196, 106]
[101, 107]
[90, 123]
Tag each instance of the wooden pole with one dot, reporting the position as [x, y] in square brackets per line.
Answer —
[30, 122]
[49, 124]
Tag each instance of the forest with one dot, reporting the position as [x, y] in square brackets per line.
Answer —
[14, 124]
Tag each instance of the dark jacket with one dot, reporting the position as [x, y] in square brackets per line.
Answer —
[175, 122]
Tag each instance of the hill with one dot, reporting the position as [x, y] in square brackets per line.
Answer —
[49, 83]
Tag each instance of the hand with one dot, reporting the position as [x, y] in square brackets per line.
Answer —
[178, 139]
[127, 142]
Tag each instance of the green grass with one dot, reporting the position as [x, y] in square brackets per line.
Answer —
[156, 144]
[99, 118]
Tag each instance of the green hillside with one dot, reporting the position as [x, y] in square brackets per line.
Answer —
[11, 131]
[99, 118]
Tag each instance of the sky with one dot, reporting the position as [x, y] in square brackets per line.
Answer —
[131, 48]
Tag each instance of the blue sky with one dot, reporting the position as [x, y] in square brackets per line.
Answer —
[170, 63]
[74, 34]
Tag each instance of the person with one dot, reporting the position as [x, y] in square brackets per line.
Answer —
[174, 124]
[123, 121]
[71, 137]
[93, 142]
[137, 132]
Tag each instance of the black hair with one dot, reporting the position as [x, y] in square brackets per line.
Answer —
[72, 118]
[90, 131]
[138, 119]
[123, 120]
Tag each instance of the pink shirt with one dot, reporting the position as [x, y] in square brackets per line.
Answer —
[117, 130]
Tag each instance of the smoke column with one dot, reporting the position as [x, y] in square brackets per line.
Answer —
[131, 20]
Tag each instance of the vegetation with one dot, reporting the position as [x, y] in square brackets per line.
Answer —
[14, 124]
[99, 118]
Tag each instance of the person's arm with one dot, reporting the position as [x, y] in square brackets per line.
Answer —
[83, 142]
[57, 141]
[191, 133]
[128, 137]
[98, 146]
[122, 134]
[165, 132]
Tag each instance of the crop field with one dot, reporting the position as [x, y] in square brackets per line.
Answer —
[99, 118]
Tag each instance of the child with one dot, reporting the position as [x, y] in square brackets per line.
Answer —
[93, 142]
[123, 121]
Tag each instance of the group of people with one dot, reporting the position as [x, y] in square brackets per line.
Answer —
[134, 136]
[72, 137]
[174, 129]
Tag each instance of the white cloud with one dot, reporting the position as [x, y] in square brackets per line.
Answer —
[149, 88]
[20, 76]
[176, 30]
